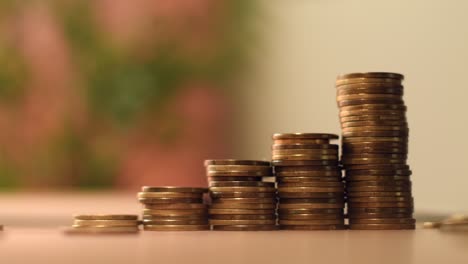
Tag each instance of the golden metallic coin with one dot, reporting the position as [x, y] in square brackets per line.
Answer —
[360, 80]
[382, 226]
[233, 189]
[242, 184]
[243, 217]
[366, 89]
[170, 200]
[175, 212]
[308, 195]
[237, 162]
[380, 183]
[310, 205]
[318, 152]
[296, 179]
[312, 227]
[350, 97]
[373, 199]
[311, 211]
[78, 222]
[106, 217]
[383, 221]
[357, 161]
[310, 189]
[367, 112]
[374, 124]
[243, 200]
[376, 128]
[175, 217]
[176, 221]
[381, 167]
[311, 216]
[316, 147]
[376, 134]
[246, 228]
[176, 206]
[301, 141]
[170, 189]
[386, 75]
[305, 162]
[379, 189]
[245, 168]
[311, 184]
[249, 194]
[312, 222]
[169, 195]
[335, 199]
[381, 205]
[265, 206]
[305, 168]
[379, 215]
[300, 157]
[365, 101]
[242, 222]
[389, 210]
[214, 211]
[374, 107]
[234, 178]
[247, 175]
[176, 227]
[375, 139]
[376, 178]
[378, 194]
[304, 136]
[76, 230]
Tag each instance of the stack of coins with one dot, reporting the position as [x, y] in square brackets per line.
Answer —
[174, 209]
[310, 186]
[241, 200]
[105, 224]
[375, 148]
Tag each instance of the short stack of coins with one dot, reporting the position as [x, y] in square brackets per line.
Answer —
[375, 147]
[169, 208]
[310, 185]
[96, 224]
[240, 199]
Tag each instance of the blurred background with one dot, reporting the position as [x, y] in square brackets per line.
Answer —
[115, 94]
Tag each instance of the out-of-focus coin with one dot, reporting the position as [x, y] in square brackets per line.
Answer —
[176, 227]
[246, 175]
[376, 178]
[381, 167]
[170, 195]
[79, 222]
[243, 217]
[382, 221]
[102, 230]
[359, 80]
[365, 89]
[176, 206]
[405, 182]
[374, 107]
[350, 97]
[372, 161]
[241, 184]
[237, 162]
[379, 189]
[390, 210]
[242, 222]
[242, 194]
[374, 118]
[382, 226]
[304, 136]
[375, 139]
[312, 227]
[386, 75]
[170, 189]
[312, 222]
[375, 128]
[376, 134]
[379, 215]
[265, 206]
[370, 101]
[373, 124]
[106, 217]
[246, 227]
[213, 211]
[379, 199]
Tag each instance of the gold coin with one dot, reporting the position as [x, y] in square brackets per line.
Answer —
[375, 139]
[311, 211]
[176, 206]
[242, 184]
[175, 217]
[381, 204]
[304, 136]
[302, 141]
[237, 162]
[389, 210]
[378, 194]
[101, 230]
[375, 118]
[310, 205]
[175, 221]
[312, 227]
[243, 206]
[169, 212]
[233, 178]
[243, 200]
[293, 195]
[243, 217]
[305, 162]
[360, 80]
[313, 147]
[307, 179]
[243, 189]
[366, 101]
[310, 189]
[243, 194]
[376, 128]
[106, 217]
[176, 227]
[367, 89]
[171, 189]
[304, 157]
[78, 222]
[318, 152]
[374, 107]
[242, 222]
[312, 222]
[383, 221]
[382, 226]
[379, 189]
[246, 227]
[379, 215]
[311, 184]
[214, 211]
[247, 175]
[311, 216]
[386, 75]
[169, 195]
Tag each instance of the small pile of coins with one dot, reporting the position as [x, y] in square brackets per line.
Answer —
[310, 186]
[375, 147]
[84, 224]
[241, 200]
[174, 208]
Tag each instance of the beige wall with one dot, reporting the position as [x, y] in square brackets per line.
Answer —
[306, 43]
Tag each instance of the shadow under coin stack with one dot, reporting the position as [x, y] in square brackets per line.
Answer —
[174, 209]
[310, 186]
[375, 148]
[241, 201]
[104, 224]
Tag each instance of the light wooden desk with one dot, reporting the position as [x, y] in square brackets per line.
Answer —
[32, 236]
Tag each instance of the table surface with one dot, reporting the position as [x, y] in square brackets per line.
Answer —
[33, 234]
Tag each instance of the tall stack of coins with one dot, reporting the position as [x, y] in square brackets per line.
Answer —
[375, 148]
[241, 200]
[310, 186]
[105, 224]
[174, 208]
